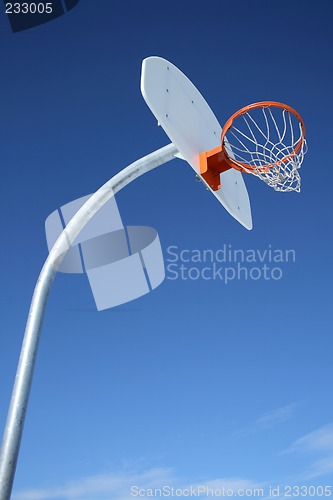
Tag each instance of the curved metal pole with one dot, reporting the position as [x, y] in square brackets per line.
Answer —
[20, 395]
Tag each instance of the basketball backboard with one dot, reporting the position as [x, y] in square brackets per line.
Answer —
[192, 127]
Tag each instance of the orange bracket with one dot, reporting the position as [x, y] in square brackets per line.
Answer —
[212, 164]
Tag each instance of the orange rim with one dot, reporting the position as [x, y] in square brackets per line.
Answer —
[245, 109]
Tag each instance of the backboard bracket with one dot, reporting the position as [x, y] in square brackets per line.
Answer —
[212, 164]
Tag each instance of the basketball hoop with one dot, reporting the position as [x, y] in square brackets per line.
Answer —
[266, 139]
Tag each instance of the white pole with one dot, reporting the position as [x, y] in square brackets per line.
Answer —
[20, 395]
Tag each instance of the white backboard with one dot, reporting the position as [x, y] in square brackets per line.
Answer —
[192, 127]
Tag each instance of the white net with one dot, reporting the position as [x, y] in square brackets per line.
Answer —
[268, 141]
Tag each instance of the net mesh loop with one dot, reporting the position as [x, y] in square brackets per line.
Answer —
[268, 141]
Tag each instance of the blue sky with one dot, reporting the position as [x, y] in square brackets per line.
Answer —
[198, 382]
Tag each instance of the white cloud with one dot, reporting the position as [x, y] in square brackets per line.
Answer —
[103, 486]
[118, 486]
[270, 419]
[320, 468]
[278, 416]
[320, 440]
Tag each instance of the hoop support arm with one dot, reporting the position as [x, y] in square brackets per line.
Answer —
[20, 395]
